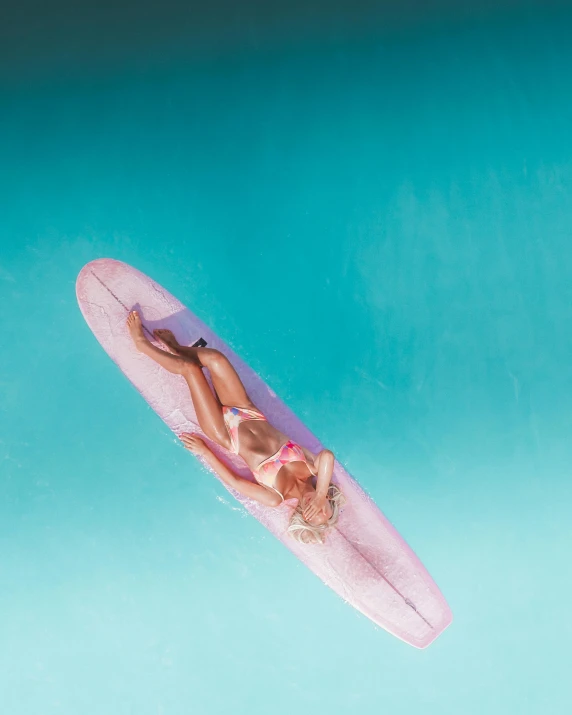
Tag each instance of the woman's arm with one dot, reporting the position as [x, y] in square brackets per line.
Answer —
[255, 491]
[325, 465]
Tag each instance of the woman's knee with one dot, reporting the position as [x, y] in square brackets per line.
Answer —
[188, 367]
[214, 359]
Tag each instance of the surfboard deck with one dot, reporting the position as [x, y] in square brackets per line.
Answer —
[364, 559]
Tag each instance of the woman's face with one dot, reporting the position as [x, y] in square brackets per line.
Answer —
[322, 516]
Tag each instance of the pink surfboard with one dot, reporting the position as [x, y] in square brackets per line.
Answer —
[364, 560]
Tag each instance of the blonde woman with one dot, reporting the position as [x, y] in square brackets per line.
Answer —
[282, 469]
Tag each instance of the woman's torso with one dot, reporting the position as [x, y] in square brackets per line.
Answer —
[259, 440]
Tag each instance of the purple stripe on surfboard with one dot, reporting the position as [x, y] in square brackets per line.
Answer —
[364, 560]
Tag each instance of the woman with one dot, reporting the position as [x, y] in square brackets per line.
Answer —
[282, 469]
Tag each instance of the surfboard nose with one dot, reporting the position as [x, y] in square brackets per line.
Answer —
[98, 267]
[99, 263]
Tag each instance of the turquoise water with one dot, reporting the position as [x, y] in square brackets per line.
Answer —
[381, 225]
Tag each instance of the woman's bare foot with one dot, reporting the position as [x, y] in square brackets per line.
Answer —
[167, 338]
[135, 328]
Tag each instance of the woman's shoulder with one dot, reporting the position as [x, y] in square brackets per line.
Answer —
[311, 458]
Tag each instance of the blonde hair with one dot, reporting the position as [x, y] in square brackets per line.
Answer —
[305, 533]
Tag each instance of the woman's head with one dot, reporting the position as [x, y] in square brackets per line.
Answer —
[314, 531]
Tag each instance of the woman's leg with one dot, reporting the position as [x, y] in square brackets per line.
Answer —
[207, 407]
[226, 382]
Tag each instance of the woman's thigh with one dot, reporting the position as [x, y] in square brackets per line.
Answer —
[228, 385]
[207, 407]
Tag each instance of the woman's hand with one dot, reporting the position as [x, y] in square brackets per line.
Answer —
[194, 444]
[314, 506]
